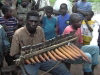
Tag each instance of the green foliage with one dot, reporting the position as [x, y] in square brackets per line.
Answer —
[52, 1]
[93, 0]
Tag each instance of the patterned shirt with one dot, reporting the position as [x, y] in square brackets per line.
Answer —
[87, 35]
[22, 38]
[9, 24]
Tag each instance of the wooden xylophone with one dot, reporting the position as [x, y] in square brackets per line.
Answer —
[57, 49]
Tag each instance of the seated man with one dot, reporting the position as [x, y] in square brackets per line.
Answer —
[75, 24]
[29, 35]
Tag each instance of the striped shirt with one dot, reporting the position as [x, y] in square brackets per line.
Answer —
[22, 38]
[10, 25]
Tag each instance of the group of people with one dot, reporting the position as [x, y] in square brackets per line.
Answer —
[24, 24]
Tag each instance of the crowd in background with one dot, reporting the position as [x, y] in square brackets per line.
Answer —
[28, 22]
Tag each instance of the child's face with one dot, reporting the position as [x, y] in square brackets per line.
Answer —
[48, 13]
[63, 9]
[9, 13]
[88, 17]
[77, 24]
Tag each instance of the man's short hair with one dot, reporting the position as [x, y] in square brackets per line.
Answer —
[49, 8]
[74, 17]
[64, 4]
[5, 9]
[32, 13]
[91, 13]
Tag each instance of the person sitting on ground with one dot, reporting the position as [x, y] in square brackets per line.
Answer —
[32, 34]
[93, 50]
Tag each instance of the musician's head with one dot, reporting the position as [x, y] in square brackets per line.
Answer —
[32, 20]
[75, 20]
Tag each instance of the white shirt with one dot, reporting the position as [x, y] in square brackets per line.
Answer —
[95, 32]
[43, 3]
[59, 2]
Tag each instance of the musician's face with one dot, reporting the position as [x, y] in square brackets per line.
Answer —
[32, 24]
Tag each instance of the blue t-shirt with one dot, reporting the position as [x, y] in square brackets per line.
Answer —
[84, 6]
[49, 26]
[62, 22]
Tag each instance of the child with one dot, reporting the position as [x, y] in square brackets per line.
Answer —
[87, 27]
[49, 23]
[63, 19]
[75, 21]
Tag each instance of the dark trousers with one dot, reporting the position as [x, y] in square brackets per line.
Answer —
[9, 59]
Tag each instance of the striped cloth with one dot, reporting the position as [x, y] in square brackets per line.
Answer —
[10, 25]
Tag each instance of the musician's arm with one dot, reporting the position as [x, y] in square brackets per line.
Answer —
[42, 36]
[15, 47]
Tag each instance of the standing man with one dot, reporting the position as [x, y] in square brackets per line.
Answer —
[23, 9]
[8, 21]
[63, 19]
[82, 7]
[10, 25]
[49, 23]
[32, 34]
[4, 45]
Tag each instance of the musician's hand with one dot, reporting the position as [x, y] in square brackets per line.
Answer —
[6, 53]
